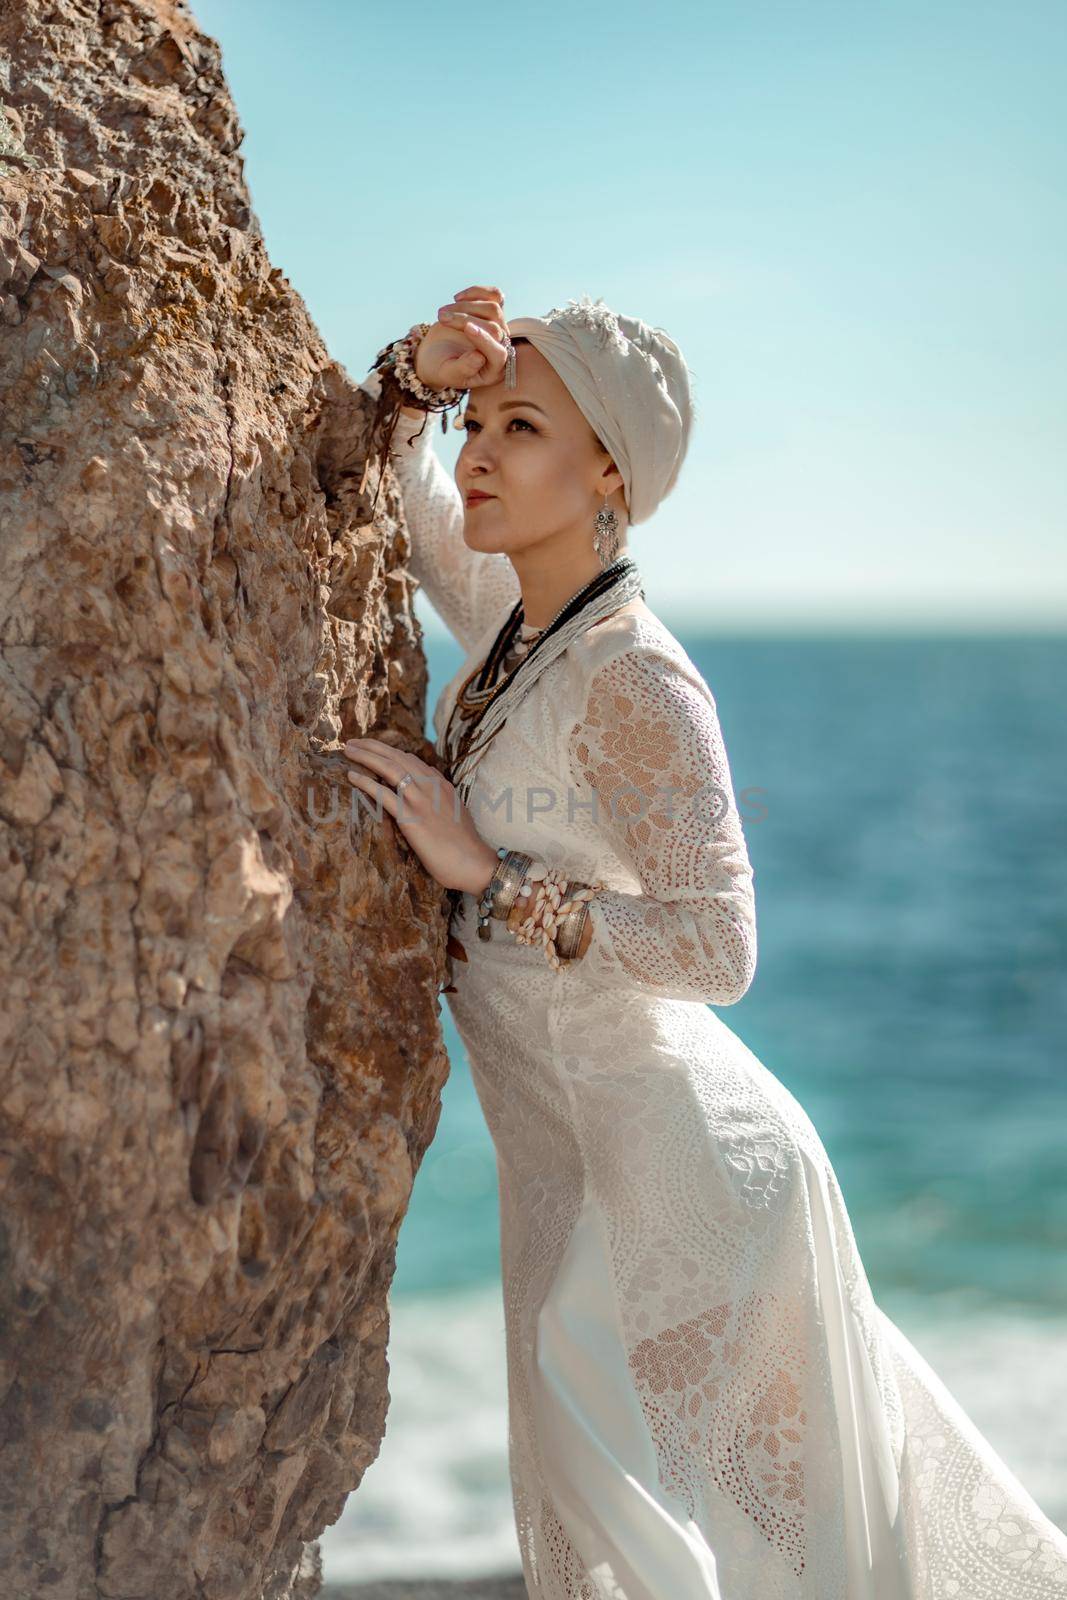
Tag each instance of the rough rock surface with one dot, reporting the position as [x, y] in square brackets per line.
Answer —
[220, 1062]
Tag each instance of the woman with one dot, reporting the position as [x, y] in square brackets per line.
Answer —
[705, 1401]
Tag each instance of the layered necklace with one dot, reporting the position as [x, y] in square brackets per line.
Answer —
[519, 652]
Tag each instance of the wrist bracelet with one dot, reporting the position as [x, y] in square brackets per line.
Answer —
[559, 918]
[400, 358]
[515, 872]
[519, 874]
[556, 916]
[400, 385]
[540, 926]
[573, 919]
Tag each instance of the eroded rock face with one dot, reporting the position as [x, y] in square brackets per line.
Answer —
[219, 1056]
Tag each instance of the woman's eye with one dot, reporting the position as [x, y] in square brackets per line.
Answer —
[469, 423]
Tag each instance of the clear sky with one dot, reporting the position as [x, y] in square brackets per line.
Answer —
[851, 217]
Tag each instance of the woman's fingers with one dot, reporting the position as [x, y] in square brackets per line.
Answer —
[385, 759]
[487, 336]
[441, 831]
[479, 289]
[466, 319]
[481, 363]
[377, 790]
[392, 765]
[481, 301]
[488, 310]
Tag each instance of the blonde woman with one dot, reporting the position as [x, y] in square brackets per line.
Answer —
[706, 1403]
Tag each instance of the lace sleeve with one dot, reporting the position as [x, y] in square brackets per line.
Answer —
[650, 750]
[468, 588]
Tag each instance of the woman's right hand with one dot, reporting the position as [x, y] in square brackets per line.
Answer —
[464, 348]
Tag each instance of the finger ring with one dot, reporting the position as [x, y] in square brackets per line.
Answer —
[405, 780]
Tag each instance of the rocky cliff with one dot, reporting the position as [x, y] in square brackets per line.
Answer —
[220, 1062]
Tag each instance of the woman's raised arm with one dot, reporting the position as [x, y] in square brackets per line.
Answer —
[467, 587]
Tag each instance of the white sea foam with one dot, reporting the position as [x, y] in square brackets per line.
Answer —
[437, 1501]
[1008, 1370]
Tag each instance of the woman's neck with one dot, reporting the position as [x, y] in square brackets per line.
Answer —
[544, 594]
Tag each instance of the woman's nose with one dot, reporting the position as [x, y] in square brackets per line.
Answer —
[478, 456]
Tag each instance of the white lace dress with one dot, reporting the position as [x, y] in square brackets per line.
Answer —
[705, 1401]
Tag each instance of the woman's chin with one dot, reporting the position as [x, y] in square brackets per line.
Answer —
[481, 530]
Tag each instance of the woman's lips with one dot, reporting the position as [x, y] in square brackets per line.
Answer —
[476, 499]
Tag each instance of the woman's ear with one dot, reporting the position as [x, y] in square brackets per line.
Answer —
[610, 480]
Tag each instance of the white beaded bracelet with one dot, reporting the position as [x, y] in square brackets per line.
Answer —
[401, 356]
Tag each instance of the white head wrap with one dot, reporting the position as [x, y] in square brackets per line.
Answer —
[631, 384]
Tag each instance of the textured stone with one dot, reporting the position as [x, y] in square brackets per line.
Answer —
[220, 1063]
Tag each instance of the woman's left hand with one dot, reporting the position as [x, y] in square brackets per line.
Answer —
[437, 824]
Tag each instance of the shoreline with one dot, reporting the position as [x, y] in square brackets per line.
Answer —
[502, 1586]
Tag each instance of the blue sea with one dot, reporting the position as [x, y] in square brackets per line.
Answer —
[905, 806]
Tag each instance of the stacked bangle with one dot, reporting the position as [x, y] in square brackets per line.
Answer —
[556, 916]
[515, 876]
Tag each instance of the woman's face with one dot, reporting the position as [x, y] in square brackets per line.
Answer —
[534, 452]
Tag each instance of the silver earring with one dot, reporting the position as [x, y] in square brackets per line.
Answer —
[606, 535]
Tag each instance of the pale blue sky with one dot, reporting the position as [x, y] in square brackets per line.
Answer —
[850, 216]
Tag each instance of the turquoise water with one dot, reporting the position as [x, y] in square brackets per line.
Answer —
[909, 841]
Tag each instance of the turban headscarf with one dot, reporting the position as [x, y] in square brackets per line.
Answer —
[631, 384]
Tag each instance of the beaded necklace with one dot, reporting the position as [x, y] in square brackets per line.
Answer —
[517, 643]
[471, 698]
[515, 648]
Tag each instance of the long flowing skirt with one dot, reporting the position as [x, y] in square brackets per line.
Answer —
[705, 1401]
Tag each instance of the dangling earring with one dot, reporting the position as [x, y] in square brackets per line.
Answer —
[510, 376]
[607, 530]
